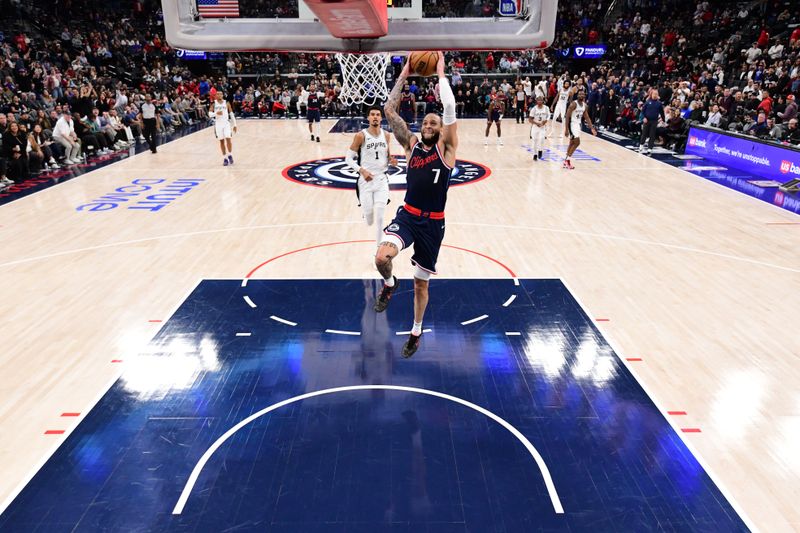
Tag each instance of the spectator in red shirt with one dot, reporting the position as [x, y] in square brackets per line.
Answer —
[669, 38]
[489, 62]
[795, 36]
[593, 36]
[763, 39]
[766, 103]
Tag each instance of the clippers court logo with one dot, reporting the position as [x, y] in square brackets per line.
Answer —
[787, 167]
[334, 173]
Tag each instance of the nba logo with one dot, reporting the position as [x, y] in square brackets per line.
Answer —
[508, 8]
[785, 166]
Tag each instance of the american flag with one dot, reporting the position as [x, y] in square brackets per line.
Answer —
[218, 8]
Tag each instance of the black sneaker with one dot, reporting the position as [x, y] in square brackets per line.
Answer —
[317, 139]
[386, 294]
[312, 136]
[535, 157]
[540, 154]
[411, 345]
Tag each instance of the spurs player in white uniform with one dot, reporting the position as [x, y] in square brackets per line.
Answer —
[223, 121]
[370, 157]
[577, 111]
[562, 100]
[538, 116]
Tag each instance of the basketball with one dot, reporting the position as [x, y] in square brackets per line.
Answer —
[423, 63]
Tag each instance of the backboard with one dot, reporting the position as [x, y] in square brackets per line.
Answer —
[291, 25]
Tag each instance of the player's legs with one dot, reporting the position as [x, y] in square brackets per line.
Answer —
[222, 148]
[229, 142]
[574, 142]
[368, 204]
[488, 128]
[380, 198]
[499, 133]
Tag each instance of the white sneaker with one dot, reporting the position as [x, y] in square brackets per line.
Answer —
[499, 141]
[486, 141]
[70, 162]
[6, 181]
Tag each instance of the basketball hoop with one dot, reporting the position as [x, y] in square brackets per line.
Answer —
[363, 78]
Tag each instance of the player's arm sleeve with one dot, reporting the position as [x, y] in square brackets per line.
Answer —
[448, 102]
[351, 159]
[232, 116]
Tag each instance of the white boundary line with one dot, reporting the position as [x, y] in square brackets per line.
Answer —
[510, 299]
[473, 320]
[736, 507]
[24, 483]
[249, 301]
[469, 224]
[198, 467]
[409, 333]
[340, 332]
[283, 320]
[243, 334]
[513, 333]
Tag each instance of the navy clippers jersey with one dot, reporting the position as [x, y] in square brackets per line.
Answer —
[405, 102]
[428, 178]
[313, 100]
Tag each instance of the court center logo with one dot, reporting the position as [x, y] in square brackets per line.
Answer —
[333, 172]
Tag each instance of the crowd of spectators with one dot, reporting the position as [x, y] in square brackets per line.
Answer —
[90, 65]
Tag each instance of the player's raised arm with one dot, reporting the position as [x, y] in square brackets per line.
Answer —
[449, 123]
[399, 128]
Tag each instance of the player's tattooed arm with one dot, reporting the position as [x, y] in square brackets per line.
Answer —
[399, 128]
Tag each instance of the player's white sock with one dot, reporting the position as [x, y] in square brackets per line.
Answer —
[318, 127]
[389, 282]
[369, 218]
[416, 329]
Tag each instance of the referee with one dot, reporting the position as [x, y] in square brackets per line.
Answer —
[149, 122]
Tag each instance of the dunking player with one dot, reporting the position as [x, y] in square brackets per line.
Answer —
[497, 106]
[370, 157]
[223, 120]
[539, 117]
[421, 220]
[576, 112]
[312, 105]
[561, 103]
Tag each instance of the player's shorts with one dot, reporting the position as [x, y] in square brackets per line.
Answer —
[407, 116]
[222, 130]
[373, 192]
[574, 131]
[495, 116]
[313, 115]
[560, 111]
[425, 233]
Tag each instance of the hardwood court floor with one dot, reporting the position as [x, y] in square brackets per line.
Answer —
[692, 278]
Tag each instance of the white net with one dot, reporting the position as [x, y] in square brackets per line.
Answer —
[363, 78]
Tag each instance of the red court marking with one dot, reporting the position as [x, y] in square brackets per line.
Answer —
[270, 260]
[602, 319]
[70, 414]
[54, 432]
[676, 413]
[633, 358]
[690, 430]
[154, 321]
[116, 360]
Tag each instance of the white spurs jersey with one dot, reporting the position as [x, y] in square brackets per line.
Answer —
[374, 155]
[563, 96]
[577, 113]
[539, 114]
[221, 112]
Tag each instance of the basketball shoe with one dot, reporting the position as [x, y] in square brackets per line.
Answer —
[411, 345]
[386, 294]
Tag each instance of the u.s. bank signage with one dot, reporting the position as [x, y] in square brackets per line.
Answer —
[334, 173]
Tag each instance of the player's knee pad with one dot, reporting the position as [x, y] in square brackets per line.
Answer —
[422, 274]
[392, 239]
